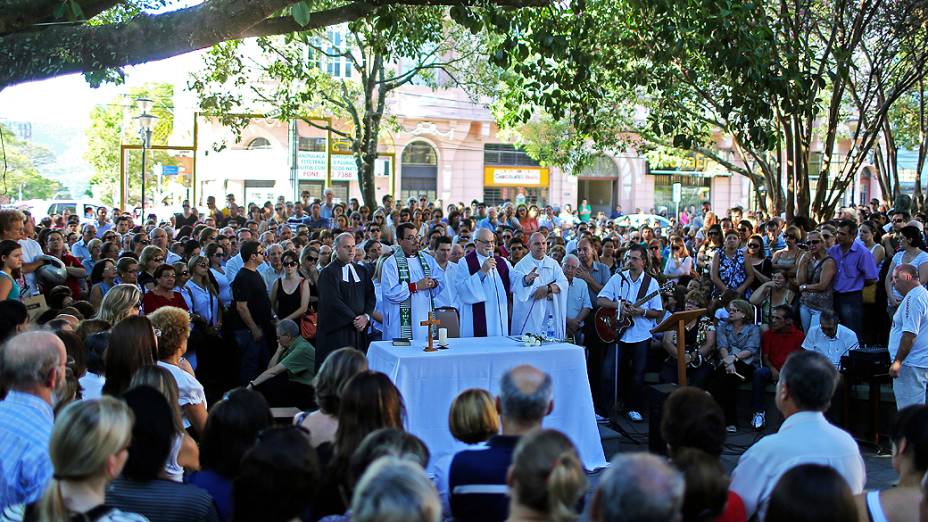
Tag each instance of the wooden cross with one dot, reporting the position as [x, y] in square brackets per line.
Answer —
[431, 322]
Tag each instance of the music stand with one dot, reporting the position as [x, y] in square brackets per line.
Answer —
[677, 321]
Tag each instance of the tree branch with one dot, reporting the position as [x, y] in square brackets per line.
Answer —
[57, 50]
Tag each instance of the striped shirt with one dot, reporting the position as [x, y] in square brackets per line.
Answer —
[25, 429]
[162, 500]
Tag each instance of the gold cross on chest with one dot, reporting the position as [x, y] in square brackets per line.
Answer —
[430, 323]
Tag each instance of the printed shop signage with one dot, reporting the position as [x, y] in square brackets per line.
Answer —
[515, 177]
[311, 165]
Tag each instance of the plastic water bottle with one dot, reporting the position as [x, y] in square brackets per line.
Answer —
[549, 326]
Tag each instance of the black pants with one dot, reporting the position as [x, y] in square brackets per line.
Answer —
[694, 376]
[850, 309]
[724, 388]
[632, 360]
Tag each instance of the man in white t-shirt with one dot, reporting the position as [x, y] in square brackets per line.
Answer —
[830, 338]
[633, 346]
[908, 339]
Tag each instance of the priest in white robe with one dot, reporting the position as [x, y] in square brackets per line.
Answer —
[483, 282]
[544, 294]
[409, 282]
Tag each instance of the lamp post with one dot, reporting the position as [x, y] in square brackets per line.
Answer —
[146, 121]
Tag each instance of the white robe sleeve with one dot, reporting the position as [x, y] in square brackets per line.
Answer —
[469, 286]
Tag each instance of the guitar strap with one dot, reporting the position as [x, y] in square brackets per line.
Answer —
[643, 289]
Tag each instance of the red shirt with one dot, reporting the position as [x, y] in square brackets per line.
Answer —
[777, 346]
[734, 509]
[153, 301]
[72, 282]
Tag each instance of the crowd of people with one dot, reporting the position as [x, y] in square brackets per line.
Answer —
[140, 360]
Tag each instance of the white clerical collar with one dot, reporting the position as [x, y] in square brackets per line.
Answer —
[349, 269]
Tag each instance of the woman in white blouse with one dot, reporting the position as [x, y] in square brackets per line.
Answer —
[679, 262]
[215, 254]
[200, 294]
[172, 327]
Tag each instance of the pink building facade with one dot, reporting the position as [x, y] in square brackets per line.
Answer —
[445, 147]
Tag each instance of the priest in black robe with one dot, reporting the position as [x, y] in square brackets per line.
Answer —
[346, 302]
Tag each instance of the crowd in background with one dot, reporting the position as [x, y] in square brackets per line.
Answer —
[141, 359]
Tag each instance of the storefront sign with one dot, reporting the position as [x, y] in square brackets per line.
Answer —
[344, 167]
[311, 165]
[515, 177]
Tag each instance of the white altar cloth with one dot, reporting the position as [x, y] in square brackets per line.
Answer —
[429, 381]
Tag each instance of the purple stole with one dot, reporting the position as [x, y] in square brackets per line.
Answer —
[480, 309]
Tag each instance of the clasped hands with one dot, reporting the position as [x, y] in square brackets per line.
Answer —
[360, 322]
[426, 283]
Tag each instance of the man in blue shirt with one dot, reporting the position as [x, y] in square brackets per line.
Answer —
[79, 249]
[477, 478]
[490, 222]
[855, 268]
[35, 364]
[316, 221]
[328, 208]
[103, 224]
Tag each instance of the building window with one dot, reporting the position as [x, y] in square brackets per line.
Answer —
[419, 171]
[695, 188]
[259, 144]
[331, 60]
[312, 144]
[504, 154]
[494, 196]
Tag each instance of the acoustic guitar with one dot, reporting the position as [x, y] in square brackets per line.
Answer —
[610, 327]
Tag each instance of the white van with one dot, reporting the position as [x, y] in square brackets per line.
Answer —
[84, 208]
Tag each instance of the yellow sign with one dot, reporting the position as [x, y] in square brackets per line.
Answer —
[515, 177]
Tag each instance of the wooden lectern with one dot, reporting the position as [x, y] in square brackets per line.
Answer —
[677, 321]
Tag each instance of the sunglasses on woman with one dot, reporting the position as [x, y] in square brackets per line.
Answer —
[290, 264]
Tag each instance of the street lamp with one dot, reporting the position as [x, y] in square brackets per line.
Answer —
[146, 122]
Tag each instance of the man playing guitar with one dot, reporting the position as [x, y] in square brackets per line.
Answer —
[621, 291]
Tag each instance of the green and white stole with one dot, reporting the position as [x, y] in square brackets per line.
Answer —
[402, 266]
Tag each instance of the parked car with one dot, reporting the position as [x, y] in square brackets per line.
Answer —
[636, 220]
[84, 208]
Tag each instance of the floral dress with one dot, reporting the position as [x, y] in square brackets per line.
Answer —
[731, 272]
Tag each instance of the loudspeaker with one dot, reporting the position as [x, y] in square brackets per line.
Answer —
[657, 394]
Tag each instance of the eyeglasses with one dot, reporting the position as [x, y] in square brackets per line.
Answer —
[814, 241]
[754, 245]
[158, 259]
[313, 259]
[898, 220]
[219, 254]
[290, 263]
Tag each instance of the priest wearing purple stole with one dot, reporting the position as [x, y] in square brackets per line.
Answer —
[483, 282]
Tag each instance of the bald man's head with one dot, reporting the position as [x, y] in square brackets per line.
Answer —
[538, 245]
[525, 396]
[33, 361]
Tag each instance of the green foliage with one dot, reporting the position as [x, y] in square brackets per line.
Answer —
[904, 118]
[19, 165]
[687, 71]
[290, 76]
[111, 125]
